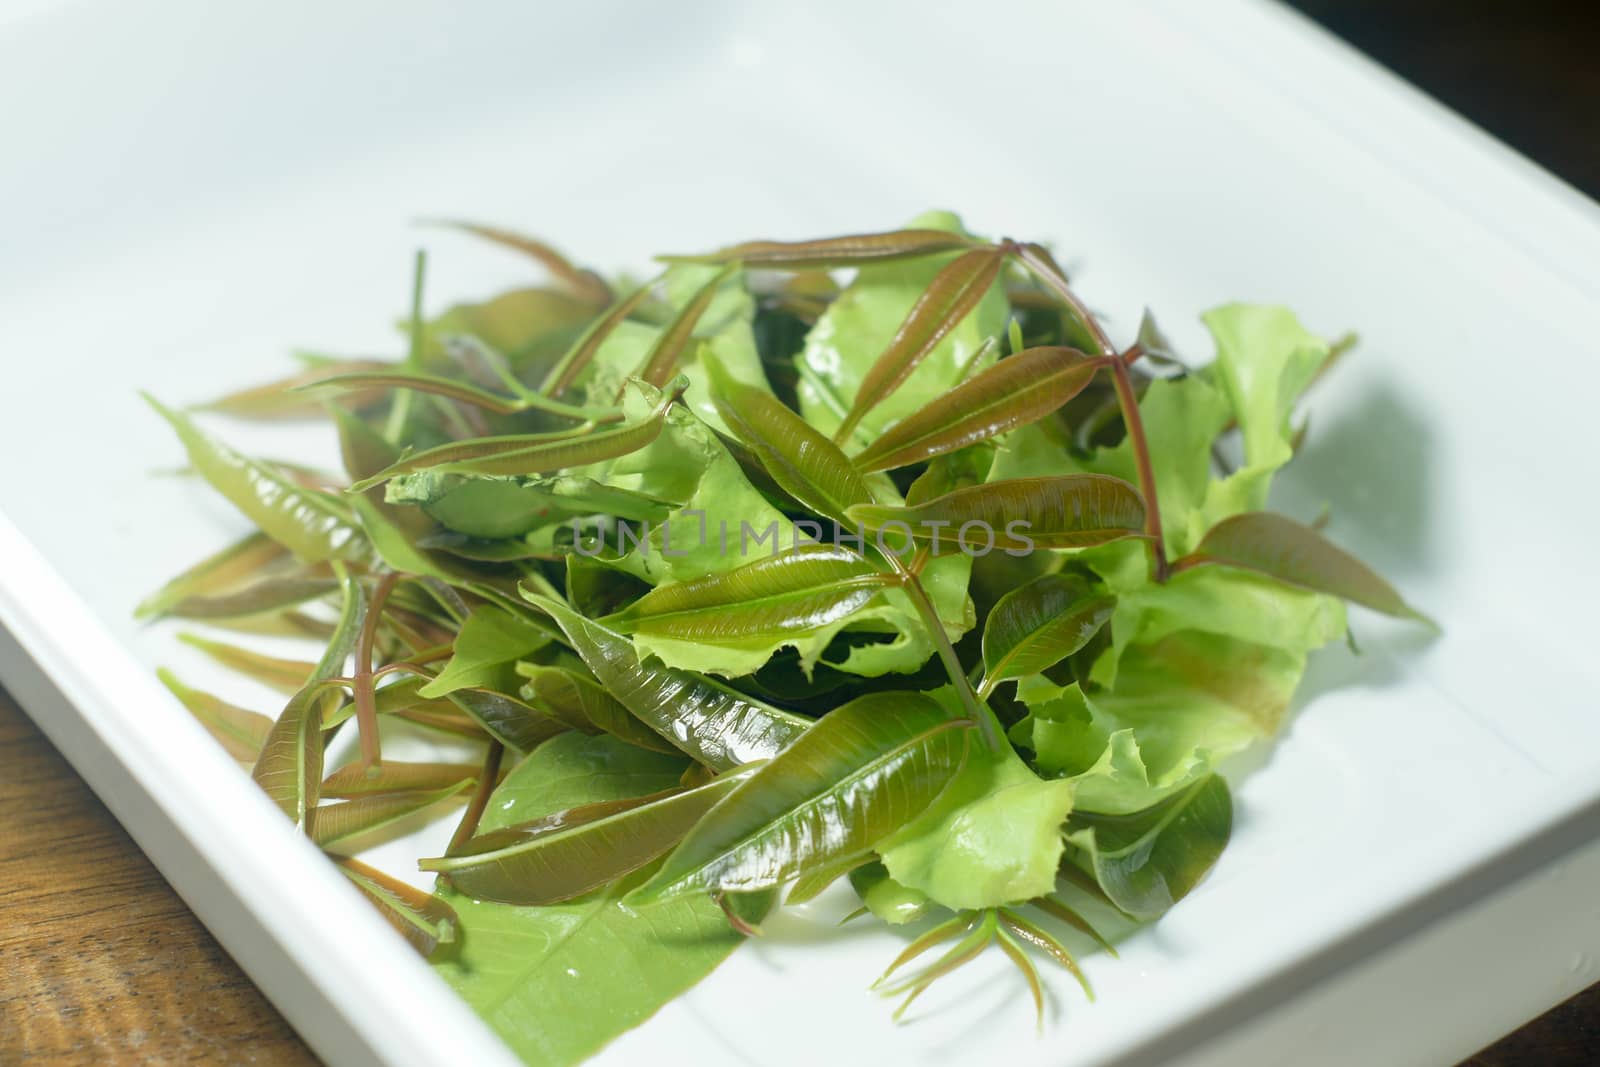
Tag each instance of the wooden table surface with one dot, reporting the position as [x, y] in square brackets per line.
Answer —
[100, 962]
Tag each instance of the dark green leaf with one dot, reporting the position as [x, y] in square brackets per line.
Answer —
[796, 591]
[804, 462]
[1036, 626]
[584, 705]
[716, 725]
[1147, 862]
[574, 852]
[1014, 392]
[1065, 511]
[863, 771]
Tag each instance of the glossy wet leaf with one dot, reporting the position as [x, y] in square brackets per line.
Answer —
[583, 704]
[949, 298]
[854, 250]
[716, 725]
[423, 919]
[575, 852]
[1014, 392]
[858, 775]
[1037, 625]
[1022, 514]
[1285, 550]
[507, 719]
[311, 524]
[802, 460]
[797, 591]
[239, 731]
[1147, 862]
[886, 898]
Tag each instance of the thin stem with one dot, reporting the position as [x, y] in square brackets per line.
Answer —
[1043, 267]
[1141, 458]
[480, 798]
[400, 413]
[362, 689]
[976, 709]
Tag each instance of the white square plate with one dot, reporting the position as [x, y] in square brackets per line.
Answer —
[191, 190]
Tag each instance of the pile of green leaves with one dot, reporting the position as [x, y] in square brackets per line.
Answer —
[1014, 611]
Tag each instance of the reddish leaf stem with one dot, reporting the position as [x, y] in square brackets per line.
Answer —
[363, 693]
[480, 798]
[1141, 458]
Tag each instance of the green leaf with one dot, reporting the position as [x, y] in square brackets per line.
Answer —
[801, 597]
[531, 453]
[855, 777]
[830, 253]
[506, 718]
[572, 770]
[803, 461]
[582, 704]
[1285, 550]
[994, 838]
[239, 731]
[1037, 625]
[886, 898]
[490, 640]
[1068, 511]
[452, 390]
[1147, 862]
[311, 524]
[574, 852]
[289, 768]
[950, 297]
[716, 725]
[1014, 392]
[559, 982]
[500, 507]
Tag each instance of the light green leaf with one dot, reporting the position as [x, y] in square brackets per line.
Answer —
[490, 641]
[994, 837]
